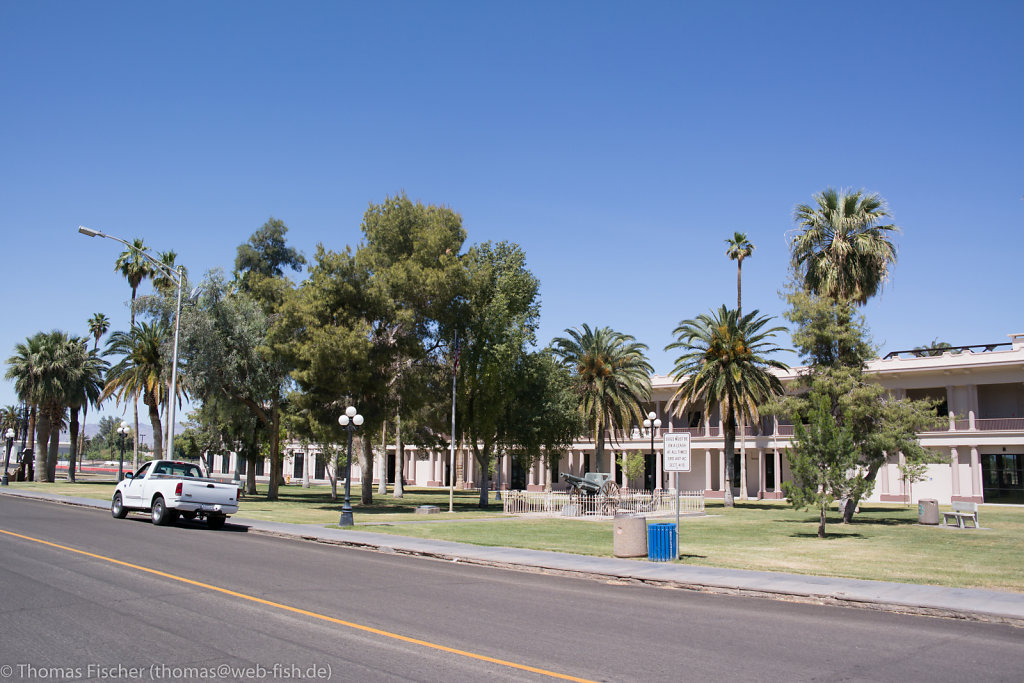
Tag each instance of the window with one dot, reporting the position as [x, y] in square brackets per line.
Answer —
[242, 462]
[1003, 477]
[769, 472]
[260, 464]
[225, 461]
[297, 459]
[321, 467]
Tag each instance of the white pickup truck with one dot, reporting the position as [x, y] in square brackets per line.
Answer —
[168, 488]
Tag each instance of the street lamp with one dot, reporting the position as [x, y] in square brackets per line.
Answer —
[350, 419]
[7, 458]
[652, 422]
[178, 276]
[122, 432]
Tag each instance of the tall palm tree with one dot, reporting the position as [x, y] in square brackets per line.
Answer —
[164, 283]
[724, 364]
[23, 368]
[84, 388]
[611, 374]
[739, 248]
[98, 326]
[141, 373]
[54, 369]
[135, 268]
[841, 248]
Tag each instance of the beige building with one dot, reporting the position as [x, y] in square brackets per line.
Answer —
[981, 445]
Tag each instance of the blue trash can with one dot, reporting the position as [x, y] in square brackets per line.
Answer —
[661, 542]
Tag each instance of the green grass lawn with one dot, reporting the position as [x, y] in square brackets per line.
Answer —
[884, 543]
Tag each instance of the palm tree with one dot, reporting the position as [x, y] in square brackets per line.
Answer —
[611, 374]
[724, 364]
[23, 368]
[164, 283]
[84, 388]
[135, 268]
[739, 248]
[841, 250]
[98, 326]
[141, 372]
[53, 368]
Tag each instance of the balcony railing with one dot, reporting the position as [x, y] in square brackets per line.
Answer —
[644, 435]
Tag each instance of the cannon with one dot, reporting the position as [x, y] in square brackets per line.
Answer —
[599, 484]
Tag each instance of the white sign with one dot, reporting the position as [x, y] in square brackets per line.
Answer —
[677, 452]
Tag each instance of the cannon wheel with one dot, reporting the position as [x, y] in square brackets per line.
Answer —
[609, 498]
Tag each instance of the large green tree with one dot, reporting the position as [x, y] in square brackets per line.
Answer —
[822, 454]
[497, 322]
[363, 325]
[833, 341]
[842, 248]
[611, 375]
[224, 344]
[260, 266]
[725, 363]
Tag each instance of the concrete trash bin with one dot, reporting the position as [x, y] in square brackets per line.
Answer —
[661, 542]
[927, 511]
[630, 537]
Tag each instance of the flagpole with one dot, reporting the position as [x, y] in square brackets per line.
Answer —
[451, 460]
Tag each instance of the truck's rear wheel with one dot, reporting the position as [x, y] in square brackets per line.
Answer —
[117, 509]
[216, 521]
[160, 514]
[189, 515]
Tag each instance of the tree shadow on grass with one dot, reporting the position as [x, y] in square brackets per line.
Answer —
[833, 535]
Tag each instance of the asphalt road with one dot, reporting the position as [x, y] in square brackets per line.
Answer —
[232, 600]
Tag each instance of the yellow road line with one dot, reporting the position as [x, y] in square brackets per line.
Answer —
[315, 615]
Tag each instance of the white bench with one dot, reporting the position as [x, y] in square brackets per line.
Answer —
[962, 514]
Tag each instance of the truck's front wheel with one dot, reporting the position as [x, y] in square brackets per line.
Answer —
[117, 507]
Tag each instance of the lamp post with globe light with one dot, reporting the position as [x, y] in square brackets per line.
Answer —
[350, 419]
[122, 431]
[9, 435]
[651, 423]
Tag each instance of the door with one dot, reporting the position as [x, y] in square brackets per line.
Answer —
[133, 492]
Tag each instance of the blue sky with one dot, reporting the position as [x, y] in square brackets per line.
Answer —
[619, 143]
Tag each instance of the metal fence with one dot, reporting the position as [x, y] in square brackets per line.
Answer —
[564, 504]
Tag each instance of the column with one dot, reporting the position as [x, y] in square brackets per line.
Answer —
[778, 472]
[743, 474]
[954, 470]
[707, 469]
[975, 474]
[305, 469]
[760, 474]
[659, 462]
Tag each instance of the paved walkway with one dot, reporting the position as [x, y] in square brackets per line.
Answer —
[963, 603]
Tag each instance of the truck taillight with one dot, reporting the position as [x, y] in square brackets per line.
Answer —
[238, 496]
[177, 489]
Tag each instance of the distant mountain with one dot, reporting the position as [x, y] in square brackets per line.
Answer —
[145, 431]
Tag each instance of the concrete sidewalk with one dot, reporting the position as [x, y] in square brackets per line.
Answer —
[960, 603]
